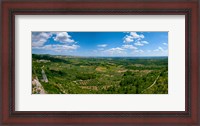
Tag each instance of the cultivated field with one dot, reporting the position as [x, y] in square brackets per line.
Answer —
[99, 75]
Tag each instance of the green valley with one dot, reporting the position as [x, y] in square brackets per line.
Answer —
[59, 74]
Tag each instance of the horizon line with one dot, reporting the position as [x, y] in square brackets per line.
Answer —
[96, 56]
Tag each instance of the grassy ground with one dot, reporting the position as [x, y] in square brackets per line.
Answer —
[79, 75]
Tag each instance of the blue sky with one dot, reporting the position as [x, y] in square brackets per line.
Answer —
[126, 44]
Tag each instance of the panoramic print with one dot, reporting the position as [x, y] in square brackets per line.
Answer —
[99, 62]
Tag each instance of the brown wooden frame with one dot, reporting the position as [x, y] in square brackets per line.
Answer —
[10, 8]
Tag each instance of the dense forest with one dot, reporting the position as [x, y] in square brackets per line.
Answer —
[99, 75]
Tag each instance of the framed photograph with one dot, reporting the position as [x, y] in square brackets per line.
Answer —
[88, 63]
[100, 63]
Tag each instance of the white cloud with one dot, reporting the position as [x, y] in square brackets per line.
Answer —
[114, 51]
[137, 52]
[165, 44]
[58, 48]
[136, 36]
[128, 39]
[144, 42]
[139, 44]
[129, 47]
[40, 38]
[63, 37]
[159, 49]
[102, 45]
[158, 52]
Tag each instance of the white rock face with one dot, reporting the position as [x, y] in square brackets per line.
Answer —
[37, 88]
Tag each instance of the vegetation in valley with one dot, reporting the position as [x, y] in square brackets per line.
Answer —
[101, 75]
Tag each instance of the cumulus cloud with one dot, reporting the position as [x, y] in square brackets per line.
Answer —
[40, 38]
[136, 36]
[102, 45]
[65, 42]
[128, 39]
[63, 37]
[129, 47]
